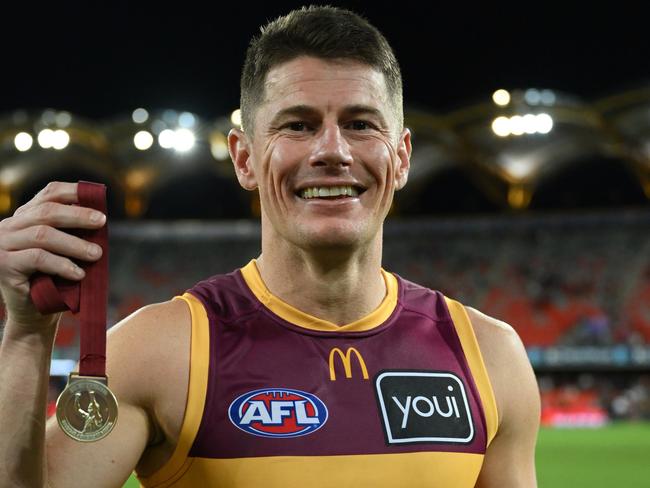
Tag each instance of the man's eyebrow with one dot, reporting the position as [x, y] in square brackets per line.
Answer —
[307, 111]
[294, 111]
[352, 110]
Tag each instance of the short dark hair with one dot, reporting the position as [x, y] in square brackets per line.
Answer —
[323, 32]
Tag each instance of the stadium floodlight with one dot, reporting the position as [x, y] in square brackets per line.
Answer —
[548, 97]
[12, 175]
[45, 138]
[544, 123]
[235, 118]
[501, 97]
[184, 140]
[186, 120]
[219, 146]
[140, 116]
[530, 123]
[23, 141]
[167, 139]
[60, 139]
[501, 126]
[516, 125]
[48, 117]
[520, 168]
[533, 96]
[143, 140]
[63, 119]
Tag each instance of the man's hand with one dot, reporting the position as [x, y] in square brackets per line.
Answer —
[31, 241]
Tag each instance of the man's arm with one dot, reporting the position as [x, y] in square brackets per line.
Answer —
[30, 241]
[24, 376]
[147, 353]
[510, 458]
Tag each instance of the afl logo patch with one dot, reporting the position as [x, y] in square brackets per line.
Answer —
[278, 412]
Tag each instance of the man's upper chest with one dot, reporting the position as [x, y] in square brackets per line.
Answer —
[383, 391]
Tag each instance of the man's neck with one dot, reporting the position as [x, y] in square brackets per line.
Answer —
[334, 285]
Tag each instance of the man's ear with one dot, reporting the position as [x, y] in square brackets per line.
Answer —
[404, 159]
[239, 148]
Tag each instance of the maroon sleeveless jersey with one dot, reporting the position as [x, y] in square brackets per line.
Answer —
[278, 397]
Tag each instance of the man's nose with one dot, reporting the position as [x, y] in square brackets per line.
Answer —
[331, 148]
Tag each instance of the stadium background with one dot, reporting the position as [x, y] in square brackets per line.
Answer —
[530, 203]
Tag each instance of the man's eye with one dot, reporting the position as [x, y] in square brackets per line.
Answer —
[360, 125]
[296, 126]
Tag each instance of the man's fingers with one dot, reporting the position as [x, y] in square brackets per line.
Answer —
[58, 191]
[58, 215]
[29, 261]
[30, 242]
[55, 191]
[50, 239]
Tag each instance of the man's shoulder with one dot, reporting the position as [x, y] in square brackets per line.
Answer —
[147, 346]
[491, 329]
[154, 319]
[506, 362]
[498, 340]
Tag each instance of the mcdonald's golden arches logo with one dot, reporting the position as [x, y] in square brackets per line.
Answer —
[346, 359]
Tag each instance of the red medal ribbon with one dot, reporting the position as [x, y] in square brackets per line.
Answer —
[88, 297]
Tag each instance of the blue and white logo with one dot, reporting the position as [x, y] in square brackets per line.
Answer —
[278, 412]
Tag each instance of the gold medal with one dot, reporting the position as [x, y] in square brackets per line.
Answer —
[86, 409]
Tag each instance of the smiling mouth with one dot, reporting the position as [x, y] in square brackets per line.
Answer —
[330, 192]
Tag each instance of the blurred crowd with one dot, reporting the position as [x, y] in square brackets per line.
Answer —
[559, 281]
[591, 400]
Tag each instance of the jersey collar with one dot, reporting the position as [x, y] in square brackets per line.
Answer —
[299, 318]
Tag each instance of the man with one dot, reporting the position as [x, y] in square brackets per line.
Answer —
[310, 366]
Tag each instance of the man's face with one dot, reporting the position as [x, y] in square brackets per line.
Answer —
[326, 153]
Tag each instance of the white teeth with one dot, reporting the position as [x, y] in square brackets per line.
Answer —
[332, 191]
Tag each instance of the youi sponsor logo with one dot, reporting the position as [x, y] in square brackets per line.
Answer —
[278, 412]
[424, 406]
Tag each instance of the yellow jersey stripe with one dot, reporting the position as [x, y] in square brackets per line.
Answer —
[178, 464]
[468, 341]
[374, 470]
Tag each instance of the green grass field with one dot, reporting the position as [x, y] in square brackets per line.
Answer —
[616, 456]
